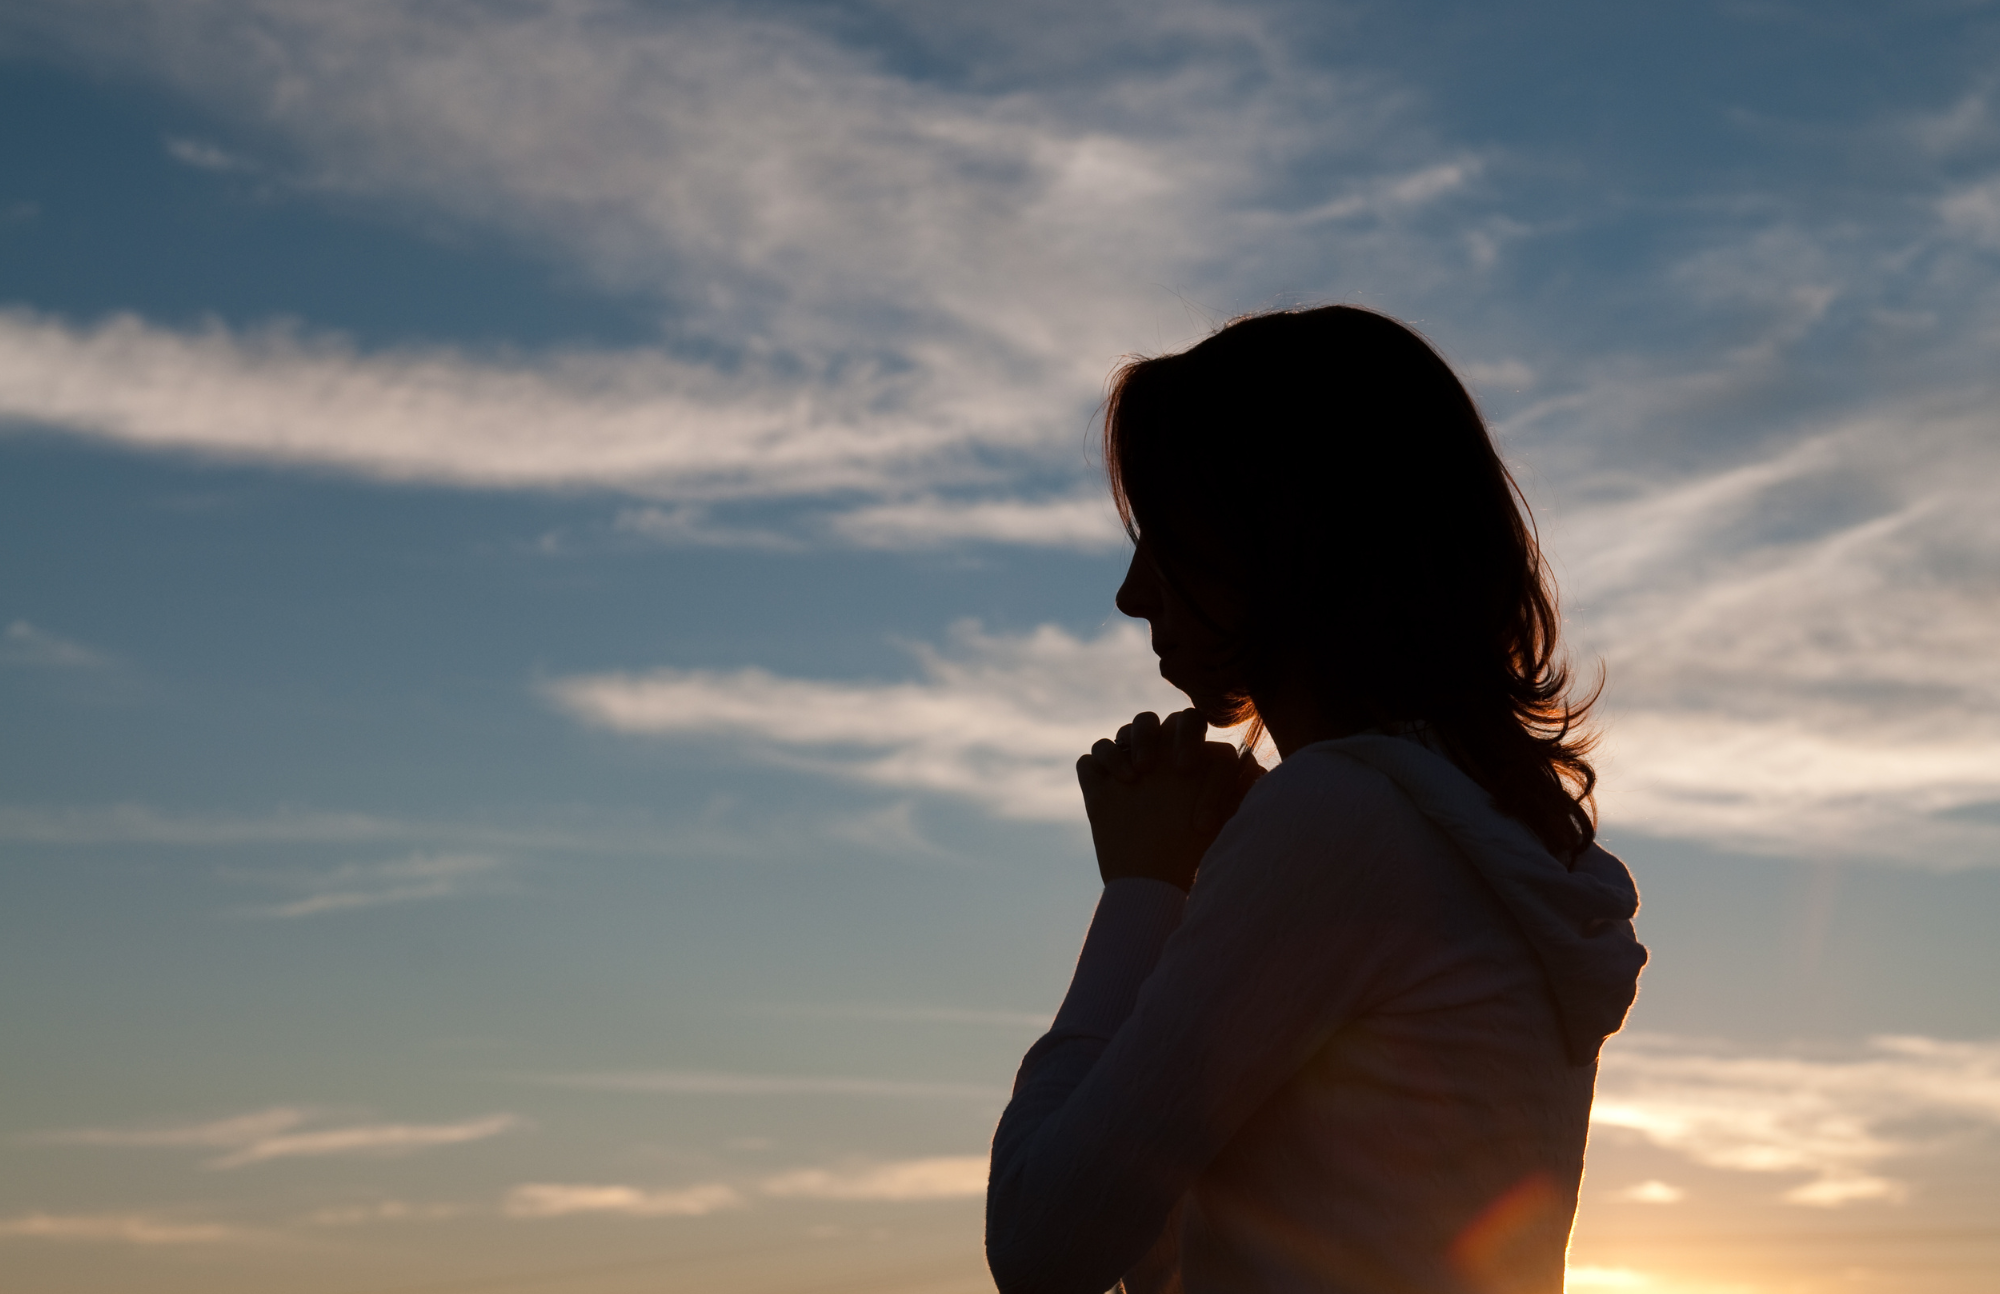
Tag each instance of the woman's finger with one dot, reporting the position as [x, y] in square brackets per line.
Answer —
[1114, 759]
[1142, 738]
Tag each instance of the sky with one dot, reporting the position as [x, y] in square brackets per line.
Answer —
[552, 571]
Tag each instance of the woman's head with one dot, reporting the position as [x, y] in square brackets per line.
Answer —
[1317, 504]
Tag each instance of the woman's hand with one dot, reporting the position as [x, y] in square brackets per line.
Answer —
[1158, 795]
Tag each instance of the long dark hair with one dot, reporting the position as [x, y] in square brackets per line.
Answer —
[1330, 466]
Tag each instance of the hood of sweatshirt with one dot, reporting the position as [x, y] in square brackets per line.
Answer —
[1578, 919]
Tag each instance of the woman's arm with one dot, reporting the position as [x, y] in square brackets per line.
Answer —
[1134, 1091]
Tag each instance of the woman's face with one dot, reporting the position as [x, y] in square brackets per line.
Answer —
[1197, 647]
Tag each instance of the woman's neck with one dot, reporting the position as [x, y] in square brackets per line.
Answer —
[1296, 716]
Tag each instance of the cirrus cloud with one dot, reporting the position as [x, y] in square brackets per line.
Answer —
[901, 287]
[903, 1181]
[1836, 1122]
[997, 719]
[146, 1229]
[553, 1200]
[940, 1177]
[281, 1133]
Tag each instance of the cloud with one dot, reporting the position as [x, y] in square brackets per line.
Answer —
[277, 1133]
[144, 825]
[890, 829]
[139, 824]
[367, 1139]
[892, 297]
[640, 421]
[549, 1200]
[781, 180]
[900, 286]
[898, 1181]
[1652, 1191]
[1808, 690]
[694, 526]
[1835, 1122]
[1394, 193]
[205, 156]
[237, 1131]
[1974, 211]
[703, 1083]
[1085, 521]
[23, 644]
[355, 886]
[944, 1177]
[117, 1228]
[451, 857]
[997, 719]
[1804, 648]
[349, 1215]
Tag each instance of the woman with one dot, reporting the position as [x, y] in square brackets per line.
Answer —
[1342, 1037]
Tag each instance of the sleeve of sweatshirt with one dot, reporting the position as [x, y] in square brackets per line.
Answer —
[1146, 1076]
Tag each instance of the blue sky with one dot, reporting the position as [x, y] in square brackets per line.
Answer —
[551, 575]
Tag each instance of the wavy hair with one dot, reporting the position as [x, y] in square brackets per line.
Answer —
[1330, 466]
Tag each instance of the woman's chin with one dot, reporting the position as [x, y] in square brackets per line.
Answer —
[1213, 703]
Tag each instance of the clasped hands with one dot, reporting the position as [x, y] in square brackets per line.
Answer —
[1158, 795]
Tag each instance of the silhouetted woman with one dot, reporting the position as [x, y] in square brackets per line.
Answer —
[1344, 1037]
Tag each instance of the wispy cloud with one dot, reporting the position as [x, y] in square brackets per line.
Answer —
[1084, 521]
[642, 422]
[351, 1215]
[24, 644]
[1975, 212]
[551, 1200]
[944, 1177]
[204, 156]
[894, 298]
[281, 1133]
[1803, 650]
[118, 1228]
[911, 284]
[367, 1139]
[1391, 194]
[997, 719]
[705, 1083]
[1835, 1122]
[141, 824]
[898, 1181]
[145, 825]
[692, 525]
[1651, 1191]
[1815, 695]
[354, 886]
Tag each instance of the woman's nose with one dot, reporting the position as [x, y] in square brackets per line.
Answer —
[1137, 596]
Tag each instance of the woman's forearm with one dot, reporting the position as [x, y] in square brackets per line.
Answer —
[1133, 921]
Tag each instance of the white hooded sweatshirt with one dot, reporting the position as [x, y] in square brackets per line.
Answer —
[1358, 1057]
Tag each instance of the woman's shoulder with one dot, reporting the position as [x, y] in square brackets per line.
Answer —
[1320, 775]
[1325, 832]
[1323, 796]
